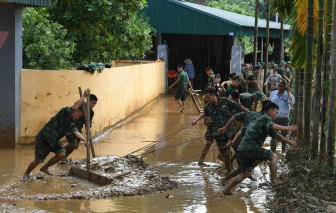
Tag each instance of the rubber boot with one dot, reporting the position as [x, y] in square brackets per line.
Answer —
[227, 161]
[274, 145]
[234, 173]
[51, 162]
[274, 169]
[205, 149]
[235, 182]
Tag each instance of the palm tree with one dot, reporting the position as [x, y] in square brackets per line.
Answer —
[267, 41]
[332, 102]
[255, 54]
[327, 35]
[281, 58]
[308, 74]
[318, 86]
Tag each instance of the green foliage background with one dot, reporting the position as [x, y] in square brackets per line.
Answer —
[73, 31]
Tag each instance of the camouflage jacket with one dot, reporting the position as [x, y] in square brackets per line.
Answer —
[247, 118]
[283, 72]
[257, 132]
[211, 79]
[58, 126]
[230, 90]
[79, 123]
[252, 87]
[246, 99]
[244, 73]
[222, 112]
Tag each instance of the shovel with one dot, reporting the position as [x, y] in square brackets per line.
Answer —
[87, 174]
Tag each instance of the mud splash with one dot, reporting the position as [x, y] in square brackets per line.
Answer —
[141, 181]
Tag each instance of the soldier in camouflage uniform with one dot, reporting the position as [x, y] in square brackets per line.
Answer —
[283, 71]
[250, 149]
[247, 99]
[182, 90]
[246, 119]
[234, 84]
[47, 140]
[73, 141]
[252, 80]
[211, 80]
[217, 112]
[292, 71]
[244, 74]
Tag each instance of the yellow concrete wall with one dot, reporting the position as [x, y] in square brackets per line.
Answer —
[121, 91]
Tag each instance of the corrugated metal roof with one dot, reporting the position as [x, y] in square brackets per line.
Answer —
[233, 18]
[171, 16]
[43, 3]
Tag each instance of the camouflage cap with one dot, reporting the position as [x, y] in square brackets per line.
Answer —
[258, 95]
[283, 63]
[236, 77]
[282, 82]
[93, 66]
[288, 62]
[258, 63]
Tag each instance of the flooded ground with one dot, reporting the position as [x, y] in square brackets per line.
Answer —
[199, 188]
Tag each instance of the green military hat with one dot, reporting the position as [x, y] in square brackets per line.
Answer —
[236, 77]
[263, 63]
[288, 62]
[258, 64]
[258, 95]
[283, 63]
[282, 82]
[93, 66]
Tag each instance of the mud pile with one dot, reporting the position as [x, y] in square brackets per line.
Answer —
[308, 186]
[140, 181]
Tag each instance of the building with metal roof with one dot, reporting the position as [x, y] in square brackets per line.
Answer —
[11, 66]
[180, 17]
[206, 35]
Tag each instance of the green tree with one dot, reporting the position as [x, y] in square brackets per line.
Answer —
[332, 102]
[318, 86]
[327, 35]
[256, 18]
[44, 42]
[308, 74]
[105, 30]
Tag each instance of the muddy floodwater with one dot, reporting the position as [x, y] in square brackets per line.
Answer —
[199, 188]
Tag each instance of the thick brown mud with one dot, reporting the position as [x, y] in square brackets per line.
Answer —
[153, 190]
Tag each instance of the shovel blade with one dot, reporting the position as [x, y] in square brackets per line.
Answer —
[93, 177]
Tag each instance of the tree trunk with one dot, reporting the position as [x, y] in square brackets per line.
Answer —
[255, 54]
[332, 102]
[318, 89]
[300, 105]
[296, 95]
[308, 75]
[328, 28]
[281, 46]
[267, 43]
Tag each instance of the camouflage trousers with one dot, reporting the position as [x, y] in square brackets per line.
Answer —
[246, 158]
[221, 139]
[181, 93]
[43, 148]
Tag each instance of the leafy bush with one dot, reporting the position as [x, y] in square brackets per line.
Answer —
[44, 42]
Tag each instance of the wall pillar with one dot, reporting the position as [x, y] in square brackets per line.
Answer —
[10, 81]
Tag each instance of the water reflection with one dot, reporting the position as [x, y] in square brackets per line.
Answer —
[199, 191]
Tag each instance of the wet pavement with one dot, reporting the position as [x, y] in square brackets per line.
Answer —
[199, 188]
